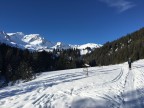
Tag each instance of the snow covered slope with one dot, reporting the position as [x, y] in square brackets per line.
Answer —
[36, 42]
[87, 48]
[113, 86]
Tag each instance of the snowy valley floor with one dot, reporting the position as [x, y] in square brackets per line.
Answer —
[112, 86]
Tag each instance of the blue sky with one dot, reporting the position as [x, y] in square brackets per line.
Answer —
[73, 21]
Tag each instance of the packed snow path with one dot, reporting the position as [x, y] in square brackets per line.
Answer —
[129, 87]
[134, 95]
[113, 86]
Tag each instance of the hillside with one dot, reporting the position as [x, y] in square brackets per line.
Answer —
[118, 51]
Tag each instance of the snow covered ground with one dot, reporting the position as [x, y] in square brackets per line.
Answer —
[113, 86]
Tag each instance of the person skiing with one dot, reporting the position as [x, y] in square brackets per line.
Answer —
[129, 62]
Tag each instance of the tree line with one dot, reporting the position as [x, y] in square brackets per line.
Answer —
[24, 64]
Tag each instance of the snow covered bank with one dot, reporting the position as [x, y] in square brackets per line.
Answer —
[112, 86]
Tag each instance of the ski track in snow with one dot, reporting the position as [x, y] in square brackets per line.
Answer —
[129, 87]
[133, 94]
[113, 86]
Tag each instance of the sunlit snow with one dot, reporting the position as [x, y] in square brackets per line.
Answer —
[113, 86]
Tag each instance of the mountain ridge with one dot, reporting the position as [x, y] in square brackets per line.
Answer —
[36, 42]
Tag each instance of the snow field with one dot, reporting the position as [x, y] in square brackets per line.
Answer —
[113, 86]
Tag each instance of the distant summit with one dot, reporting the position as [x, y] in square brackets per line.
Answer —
[35, 42]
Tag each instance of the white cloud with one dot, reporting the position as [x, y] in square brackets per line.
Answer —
[121, 5]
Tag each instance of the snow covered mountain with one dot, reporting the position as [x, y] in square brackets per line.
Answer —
[87, 48]
[35, 42]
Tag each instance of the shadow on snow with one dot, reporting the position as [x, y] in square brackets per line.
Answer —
[133, 99]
